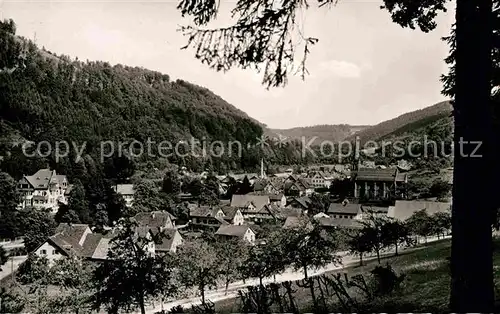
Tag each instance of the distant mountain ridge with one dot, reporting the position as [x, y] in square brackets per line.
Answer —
[405, 123]
[324, 132]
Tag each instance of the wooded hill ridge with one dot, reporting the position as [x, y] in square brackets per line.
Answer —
[325, 132]
[50, 97]
[406, 123]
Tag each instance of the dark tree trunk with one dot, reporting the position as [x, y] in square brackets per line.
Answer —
[313, 294]
[202, 290]
[396, 245]
[141, 303]
[471, 254]
[378, 255]
[360, 259]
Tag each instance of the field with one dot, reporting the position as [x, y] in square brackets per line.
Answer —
[425, 288]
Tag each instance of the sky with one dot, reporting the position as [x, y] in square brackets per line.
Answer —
[364, 69]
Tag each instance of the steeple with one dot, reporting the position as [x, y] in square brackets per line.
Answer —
[262, 174]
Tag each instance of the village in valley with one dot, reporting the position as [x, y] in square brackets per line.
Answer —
[204, 168]
[281, 200]
[363, 210]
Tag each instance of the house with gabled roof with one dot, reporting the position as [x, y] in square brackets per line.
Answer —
[156, 220]
[269, 213]
[127, 192]
[206, 217]
[299, 202]
[373, 183]
[249, 204]
[69, 239]
[105, 245]
[78, 240]
[44, 189]
[297, 186]
[243, 233]
[345, 210]
[212, 217]
[319, 179]
[265, 186]
[233, 215]
[276, 199]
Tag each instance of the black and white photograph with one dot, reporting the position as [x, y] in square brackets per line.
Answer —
[249, 156]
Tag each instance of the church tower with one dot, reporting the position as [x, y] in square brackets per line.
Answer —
[262, 173]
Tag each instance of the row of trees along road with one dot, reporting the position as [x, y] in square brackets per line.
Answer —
[379, 233]
[267, 39]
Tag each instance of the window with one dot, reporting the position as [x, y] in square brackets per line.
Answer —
[43, 252]
[54, 252]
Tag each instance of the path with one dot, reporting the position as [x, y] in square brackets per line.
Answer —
[11, 265]
[289, 275]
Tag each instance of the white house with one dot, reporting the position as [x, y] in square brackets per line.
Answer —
[345, 211]
[68, 240]
[249, 204]
[127, 192]
[319, 180]
[44, 189]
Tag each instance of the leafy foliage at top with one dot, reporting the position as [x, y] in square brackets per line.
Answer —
[267, 35]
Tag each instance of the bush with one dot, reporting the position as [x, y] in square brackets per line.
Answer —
[385, 280]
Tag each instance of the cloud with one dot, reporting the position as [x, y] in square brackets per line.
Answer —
[340, 68]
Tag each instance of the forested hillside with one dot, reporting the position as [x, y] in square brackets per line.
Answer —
[405, 123]
[46, 97]
[325, 132]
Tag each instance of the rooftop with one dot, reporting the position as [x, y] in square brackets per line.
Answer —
[232, 230]
[244, 200]
[124, 189]
[339, 208]
[374, 174]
